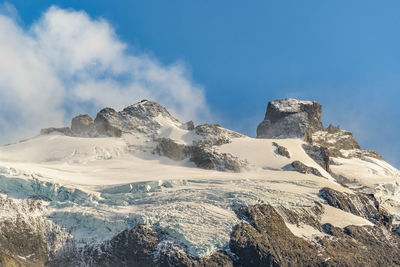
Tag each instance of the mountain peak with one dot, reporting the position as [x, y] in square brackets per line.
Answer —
[290, 118]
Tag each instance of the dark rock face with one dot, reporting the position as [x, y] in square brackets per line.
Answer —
[281, 150]
[204, 157]
[360, 246]
[358, 204]
[290, 118]
[107, 122]
[83, 125]
[27, 240]
[207, 158]
[302, 168]
[171, 149]
[319, 154]
[264, 240]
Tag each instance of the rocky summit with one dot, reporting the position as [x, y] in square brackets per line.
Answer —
[290, 118]
[137, 187]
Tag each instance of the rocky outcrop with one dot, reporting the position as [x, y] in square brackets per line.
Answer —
[319, 154]
[64, 130]
[364, 205]
[302, 168]
[207, 158]
[27, 237]
[263, 239]
[173, 150]
[107, 122]
[83, 125]
[281, 150]
[214, 135]
[189, 125]
[290, 118]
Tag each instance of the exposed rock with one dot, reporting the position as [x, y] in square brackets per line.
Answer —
[208, 158]
[338, 139]
[265, 240]
[318, 154]
[65, 130]
[215, 135]
[333, 129]
[146, 109]
[140, 117]
[171, 149]
[189, 126]
[360, 246]
[290, 118]
[143, 117]
[302, 168]
[137, 247]
[27, 238]
[203, 156]
[302, 215]
[83, 125]
[340, 143]
[358, 204]
[281, 150]
[107, 122]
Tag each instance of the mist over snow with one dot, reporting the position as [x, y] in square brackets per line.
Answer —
[67, 63]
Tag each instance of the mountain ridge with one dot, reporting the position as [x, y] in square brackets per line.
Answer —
[140, 188]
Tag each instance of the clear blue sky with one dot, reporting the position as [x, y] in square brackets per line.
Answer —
[344, 54]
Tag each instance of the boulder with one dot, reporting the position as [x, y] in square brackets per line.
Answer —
[290, 118]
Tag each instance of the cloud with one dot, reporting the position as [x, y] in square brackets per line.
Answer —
[68, 63]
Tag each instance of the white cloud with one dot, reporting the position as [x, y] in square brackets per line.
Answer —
[67, 62]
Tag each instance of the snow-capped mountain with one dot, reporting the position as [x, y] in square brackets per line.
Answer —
[140, 188]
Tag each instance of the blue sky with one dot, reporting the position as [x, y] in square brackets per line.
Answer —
[344, 54]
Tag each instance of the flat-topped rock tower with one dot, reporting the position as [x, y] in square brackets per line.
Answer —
[289, 117]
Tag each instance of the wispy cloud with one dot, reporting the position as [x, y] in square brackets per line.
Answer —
[68, 62]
